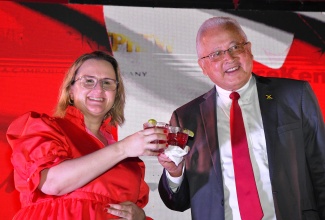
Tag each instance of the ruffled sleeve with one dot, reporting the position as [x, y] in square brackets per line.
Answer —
[37, 143]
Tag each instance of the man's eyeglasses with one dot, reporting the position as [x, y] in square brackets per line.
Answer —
[233, 51]
[89, 82]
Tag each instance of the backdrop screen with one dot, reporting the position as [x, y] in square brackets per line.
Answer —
[156, 51]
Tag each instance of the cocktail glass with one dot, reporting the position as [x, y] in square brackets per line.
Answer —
[177, 136]
[161, 125]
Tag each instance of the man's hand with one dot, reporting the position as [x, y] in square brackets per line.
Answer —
[170, 166]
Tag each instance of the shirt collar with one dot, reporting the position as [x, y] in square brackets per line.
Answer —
[244, 92]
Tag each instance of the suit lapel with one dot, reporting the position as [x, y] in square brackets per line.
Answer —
[208, 115]
[268, 105]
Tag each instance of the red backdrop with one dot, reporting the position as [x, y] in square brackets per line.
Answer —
[37, 44]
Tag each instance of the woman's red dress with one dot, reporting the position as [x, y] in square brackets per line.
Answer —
[40, 141]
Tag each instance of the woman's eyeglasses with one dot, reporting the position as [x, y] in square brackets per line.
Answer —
[89, 82]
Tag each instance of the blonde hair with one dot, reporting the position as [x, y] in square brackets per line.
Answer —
[116, 113]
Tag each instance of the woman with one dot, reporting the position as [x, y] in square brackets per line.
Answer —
[69, 166]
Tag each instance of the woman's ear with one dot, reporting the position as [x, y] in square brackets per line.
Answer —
[71, 94]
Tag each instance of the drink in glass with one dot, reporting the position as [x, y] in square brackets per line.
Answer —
[161, 125]
[177, 137]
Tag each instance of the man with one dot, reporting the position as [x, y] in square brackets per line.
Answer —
[285, 135]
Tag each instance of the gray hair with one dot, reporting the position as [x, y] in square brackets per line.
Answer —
[215, 22]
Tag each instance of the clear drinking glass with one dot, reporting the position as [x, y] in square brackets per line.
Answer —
[177, 136]
[162, 125]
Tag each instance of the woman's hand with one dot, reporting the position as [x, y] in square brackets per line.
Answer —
[127, 210]
[142, 143]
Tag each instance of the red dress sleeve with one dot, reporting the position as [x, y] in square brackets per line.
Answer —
[37, 143]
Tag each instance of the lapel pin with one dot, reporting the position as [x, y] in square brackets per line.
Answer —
[268, 97]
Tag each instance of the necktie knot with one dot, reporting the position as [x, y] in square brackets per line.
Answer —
[234, 96]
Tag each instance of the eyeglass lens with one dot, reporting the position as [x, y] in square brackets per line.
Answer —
[89, 82]
[233, 51]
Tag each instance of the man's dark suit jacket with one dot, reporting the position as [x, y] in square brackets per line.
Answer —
[295, 140]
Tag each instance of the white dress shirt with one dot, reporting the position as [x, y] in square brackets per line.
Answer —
[249, 104]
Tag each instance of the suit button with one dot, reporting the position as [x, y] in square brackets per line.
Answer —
[222, 202]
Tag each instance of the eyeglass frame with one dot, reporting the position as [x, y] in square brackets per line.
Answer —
[223, 52]
[97, 80]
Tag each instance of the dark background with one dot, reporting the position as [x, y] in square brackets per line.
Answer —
[287, 5]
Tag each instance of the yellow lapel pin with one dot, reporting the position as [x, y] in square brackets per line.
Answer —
[268, 97]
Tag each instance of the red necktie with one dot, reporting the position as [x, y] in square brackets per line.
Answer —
[248, 200]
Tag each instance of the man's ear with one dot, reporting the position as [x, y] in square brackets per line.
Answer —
[249, 48]
[202, 64]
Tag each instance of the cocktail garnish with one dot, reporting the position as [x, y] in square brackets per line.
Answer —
[153, 122]
[189, 132]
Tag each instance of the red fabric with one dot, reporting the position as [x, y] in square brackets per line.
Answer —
[236, 2]
[39, 142]
[36, 49]
[248, 200]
